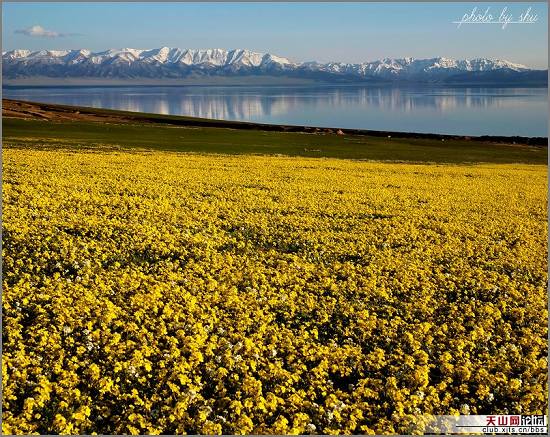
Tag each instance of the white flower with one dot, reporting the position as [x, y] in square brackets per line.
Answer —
[311, 427]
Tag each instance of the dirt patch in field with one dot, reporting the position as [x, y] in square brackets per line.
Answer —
[20, 109]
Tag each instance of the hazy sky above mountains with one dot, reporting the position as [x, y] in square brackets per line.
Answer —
[349, 32]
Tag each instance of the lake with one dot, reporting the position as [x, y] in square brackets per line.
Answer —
[461, 111]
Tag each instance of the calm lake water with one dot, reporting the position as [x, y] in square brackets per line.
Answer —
[466, 111]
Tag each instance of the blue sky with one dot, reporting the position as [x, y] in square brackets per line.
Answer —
[348, 32]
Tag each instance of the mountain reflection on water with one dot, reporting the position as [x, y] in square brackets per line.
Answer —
[468, 111]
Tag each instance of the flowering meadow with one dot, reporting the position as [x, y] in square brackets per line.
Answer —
[156, 292]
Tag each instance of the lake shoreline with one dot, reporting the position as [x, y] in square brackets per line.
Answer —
[175, 84]
[56, 112]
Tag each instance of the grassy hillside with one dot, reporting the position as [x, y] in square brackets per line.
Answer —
[41, 133]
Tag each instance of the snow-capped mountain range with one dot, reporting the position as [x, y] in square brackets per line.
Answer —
[176, 63]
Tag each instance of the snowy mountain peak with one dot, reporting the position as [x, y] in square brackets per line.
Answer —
[177, 62]
[14, 54]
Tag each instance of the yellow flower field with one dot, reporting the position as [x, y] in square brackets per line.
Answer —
[152, 292]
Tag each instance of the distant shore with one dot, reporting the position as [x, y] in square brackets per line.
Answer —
[247, 81]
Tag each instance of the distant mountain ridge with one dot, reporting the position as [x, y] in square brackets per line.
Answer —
[176, 63]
